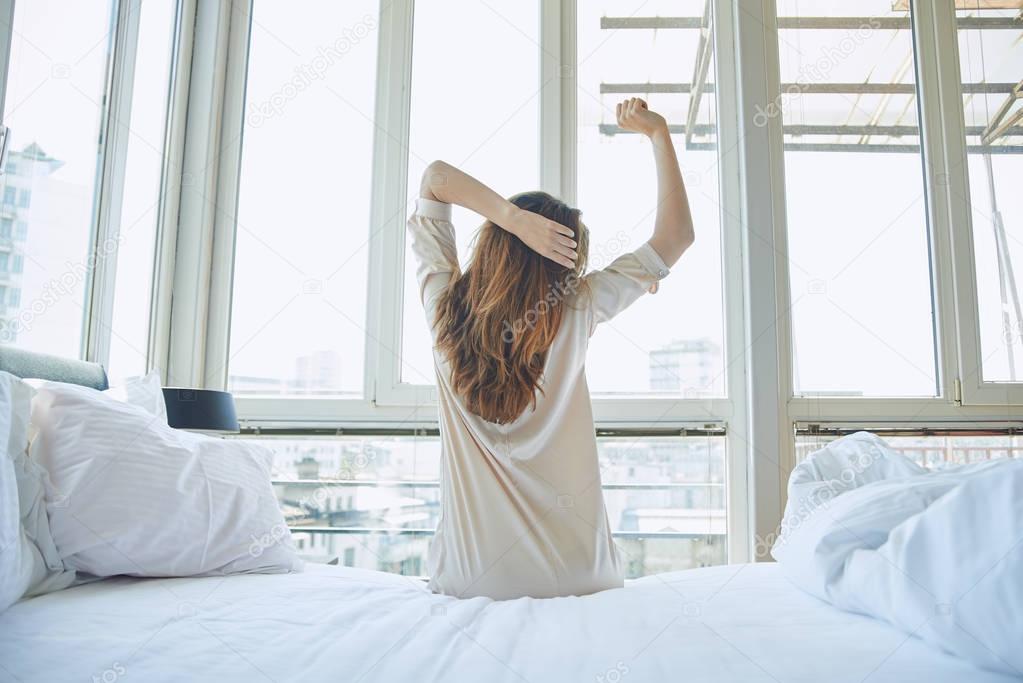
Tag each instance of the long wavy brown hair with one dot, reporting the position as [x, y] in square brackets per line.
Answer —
[497, 320]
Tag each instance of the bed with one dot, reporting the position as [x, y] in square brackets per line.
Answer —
[729, 623]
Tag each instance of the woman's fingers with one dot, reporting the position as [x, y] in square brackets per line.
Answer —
[560, 259]
[566, 242]
[566, 252]
[562, 229]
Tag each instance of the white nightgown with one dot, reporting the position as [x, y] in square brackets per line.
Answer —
[522, 511]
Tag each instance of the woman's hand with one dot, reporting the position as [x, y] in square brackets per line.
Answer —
[548, 238]
[634, 116]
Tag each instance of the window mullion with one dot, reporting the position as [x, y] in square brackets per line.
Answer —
[111, 168]
[769, 443]
[387, 212]
[6, 38]
[193, 253]
[739, 537]
[559, 82]
[945, 164]
[228, 175]
[158, 350]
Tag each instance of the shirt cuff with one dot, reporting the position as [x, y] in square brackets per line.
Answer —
[651, 260]
[429, 208]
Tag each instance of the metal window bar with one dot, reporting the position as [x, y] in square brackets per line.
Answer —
[806, 88]
[401, 531]
[837, 430]
[812, 23]
[872, 148]
[247, 430]
[939, 451]
[433, 484]
[804, 129]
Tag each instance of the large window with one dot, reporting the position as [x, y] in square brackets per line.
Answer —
[870, 267]
[671, 343]
[479, 99]
[858, 248]
[475, 103]
[298, 315]
[56, 86]
[372, 502]
[991, 67]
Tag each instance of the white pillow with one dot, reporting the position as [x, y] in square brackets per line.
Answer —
[145, 392]
[29, 563]
[134, 496]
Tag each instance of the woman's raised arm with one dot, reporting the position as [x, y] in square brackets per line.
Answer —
[673, 228]
[444, 183]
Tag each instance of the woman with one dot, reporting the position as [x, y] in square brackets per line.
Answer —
[522, 512]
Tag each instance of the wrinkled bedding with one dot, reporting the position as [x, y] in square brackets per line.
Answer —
[939, 554]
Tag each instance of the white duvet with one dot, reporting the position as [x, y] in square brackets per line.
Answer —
[937, 554]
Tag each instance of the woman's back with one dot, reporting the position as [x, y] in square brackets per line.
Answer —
[522, 510]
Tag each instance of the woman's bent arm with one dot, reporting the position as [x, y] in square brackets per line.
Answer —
[673, 227]
[445, 183]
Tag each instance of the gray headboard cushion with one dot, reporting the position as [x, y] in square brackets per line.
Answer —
[31, 365]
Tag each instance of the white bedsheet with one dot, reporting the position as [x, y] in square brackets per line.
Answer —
[734, 623]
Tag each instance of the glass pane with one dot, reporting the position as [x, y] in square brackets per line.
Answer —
[673, 342]
[858, 249]
[129, 328]
[475, 104]
[301, 259]
[55, 89]
[991, 65]
[933, 452]
[665, 499]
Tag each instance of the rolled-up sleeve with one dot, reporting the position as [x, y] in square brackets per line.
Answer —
[434, 247]
[617, 286]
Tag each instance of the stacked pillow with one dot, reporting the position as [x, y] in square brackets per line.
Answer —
[109, 488]
[29, 561]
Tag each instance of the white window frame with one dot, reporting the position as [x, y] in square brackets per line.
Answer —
[962, 399]
[385, 396]
[112, 150]
[951, 190]
[557, 172]
[775, 413]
